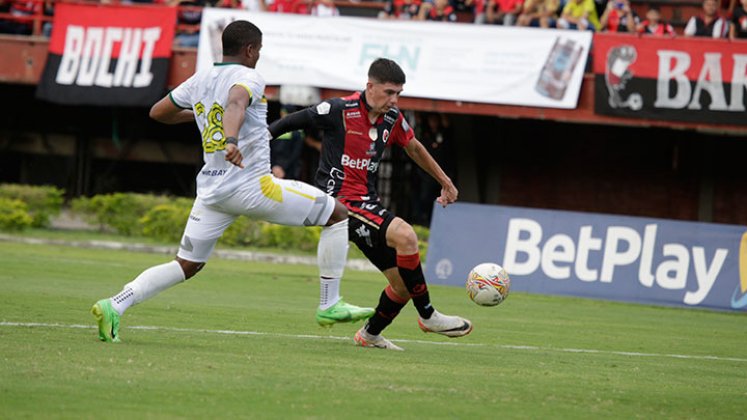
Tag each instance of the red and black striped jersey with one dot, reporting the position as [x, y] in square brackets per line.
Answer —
[352, 146]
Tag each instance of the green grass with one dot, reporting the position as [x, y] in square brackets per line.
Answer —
[72, 235]
[516, 364]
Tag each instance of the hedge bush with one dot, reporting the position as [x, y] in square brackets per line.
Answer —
[423, 235]
[165, 221]
[164, 218]
[43, 202]
[119, 211]
[14, 215]
[289, 237]
[243, 232]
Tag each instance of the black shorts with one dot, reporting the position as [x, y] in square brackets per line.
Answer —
[367, 225]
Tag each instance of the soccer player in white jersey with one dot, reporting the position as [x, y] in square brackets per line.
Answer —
[227, 102]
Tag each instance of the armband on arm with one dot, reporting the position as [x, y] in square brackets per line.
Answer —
[232, 140]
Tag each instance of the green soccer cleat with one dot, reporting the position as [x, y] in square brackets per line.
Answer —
[108, 320]
[342, 312]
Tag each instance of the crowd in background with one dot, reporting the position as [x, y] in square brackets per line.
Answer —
[727, 19]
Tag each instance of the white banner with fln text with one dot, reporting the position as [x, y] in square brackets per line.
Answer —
[446, 61]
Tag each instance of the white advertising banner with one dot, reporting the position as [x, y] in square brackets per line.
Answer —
[447, 61]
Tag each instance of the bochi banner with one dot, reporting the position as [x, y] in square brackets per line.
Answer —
[108, 55]
[693, 79]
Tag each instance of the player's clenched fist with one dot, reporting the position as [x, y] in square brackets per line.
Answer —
[233, 155]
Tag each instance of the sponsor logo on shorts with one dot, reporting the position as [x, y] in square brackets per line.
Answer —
[364, 234]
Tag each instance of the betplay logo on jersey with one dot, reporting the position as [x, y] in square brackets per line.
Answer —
[351, 163]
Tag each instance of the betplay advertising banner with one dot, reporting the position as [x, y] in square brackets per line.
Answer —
[590, 255]
[448, 61]
[108, 55]
[672, 79]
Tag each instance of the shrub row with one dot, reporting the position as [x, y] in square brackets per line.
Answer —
[38, 204]
[153, 216]
[163, 218]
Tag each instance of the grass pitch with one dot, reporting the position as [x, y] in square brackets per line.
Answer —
[239, 340]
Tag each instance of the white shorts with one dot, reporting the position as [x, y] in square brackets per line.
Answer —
[280, 201]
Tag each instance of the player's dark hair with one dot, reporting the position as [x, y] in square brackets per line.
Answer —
[384, 70]
[238, 35]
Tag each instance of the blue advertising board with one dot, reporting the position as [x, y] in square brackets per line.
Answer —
[591, 255]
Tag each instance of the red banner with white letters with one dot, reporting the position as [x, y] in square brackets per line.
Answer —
[108, 55]
[674, 79]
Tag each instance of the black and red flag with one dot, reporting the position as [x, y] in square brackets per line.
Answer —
[108, 55]
[671, 79]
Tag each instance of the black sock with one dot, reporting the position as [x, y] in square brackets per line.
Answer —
[412, 274]
[388, 309]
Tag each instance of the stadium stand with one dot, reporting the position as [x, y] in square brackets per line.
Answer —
[673, 172]
[28, 17]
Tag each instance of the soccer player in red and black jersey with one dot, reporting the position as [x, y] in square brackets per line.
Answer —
[356, 130]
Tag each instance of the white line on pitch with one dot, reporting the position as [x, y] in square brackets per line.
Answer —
[331, 337]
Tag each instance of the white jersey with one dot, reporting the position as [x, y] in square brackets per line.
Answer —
[206, 93]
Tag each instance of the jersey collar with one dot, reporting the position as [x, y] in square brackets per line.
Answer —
[364, 102]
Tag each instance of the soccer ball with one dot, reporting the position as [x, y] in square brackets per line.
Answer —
[488, 284]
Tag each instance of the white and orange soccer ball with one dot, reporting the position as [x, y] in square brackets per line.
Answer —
[488, 284]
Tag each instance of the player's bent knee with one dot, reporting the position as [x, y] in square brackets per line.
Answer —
[402, 236]
[339, 214]
[190, 268]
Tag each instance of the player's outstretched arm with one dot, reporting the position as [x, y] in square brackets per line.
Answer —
[299, 120]
[165, 111]
[420, 155]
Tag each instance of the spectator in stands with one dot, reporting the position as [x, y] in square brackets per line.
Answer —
[461, 5]
[188, 18]
[301, 7]
[441, 11]
[19, 9]
[49, 12]
[709, 24]
[251, 5]
[503, 12]
[401, 9]
[478, 9]
[324, 8]
[618, 16]
[729, 6]
[653, 24]
[579, 14]
[539, 13]
[738, 29]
